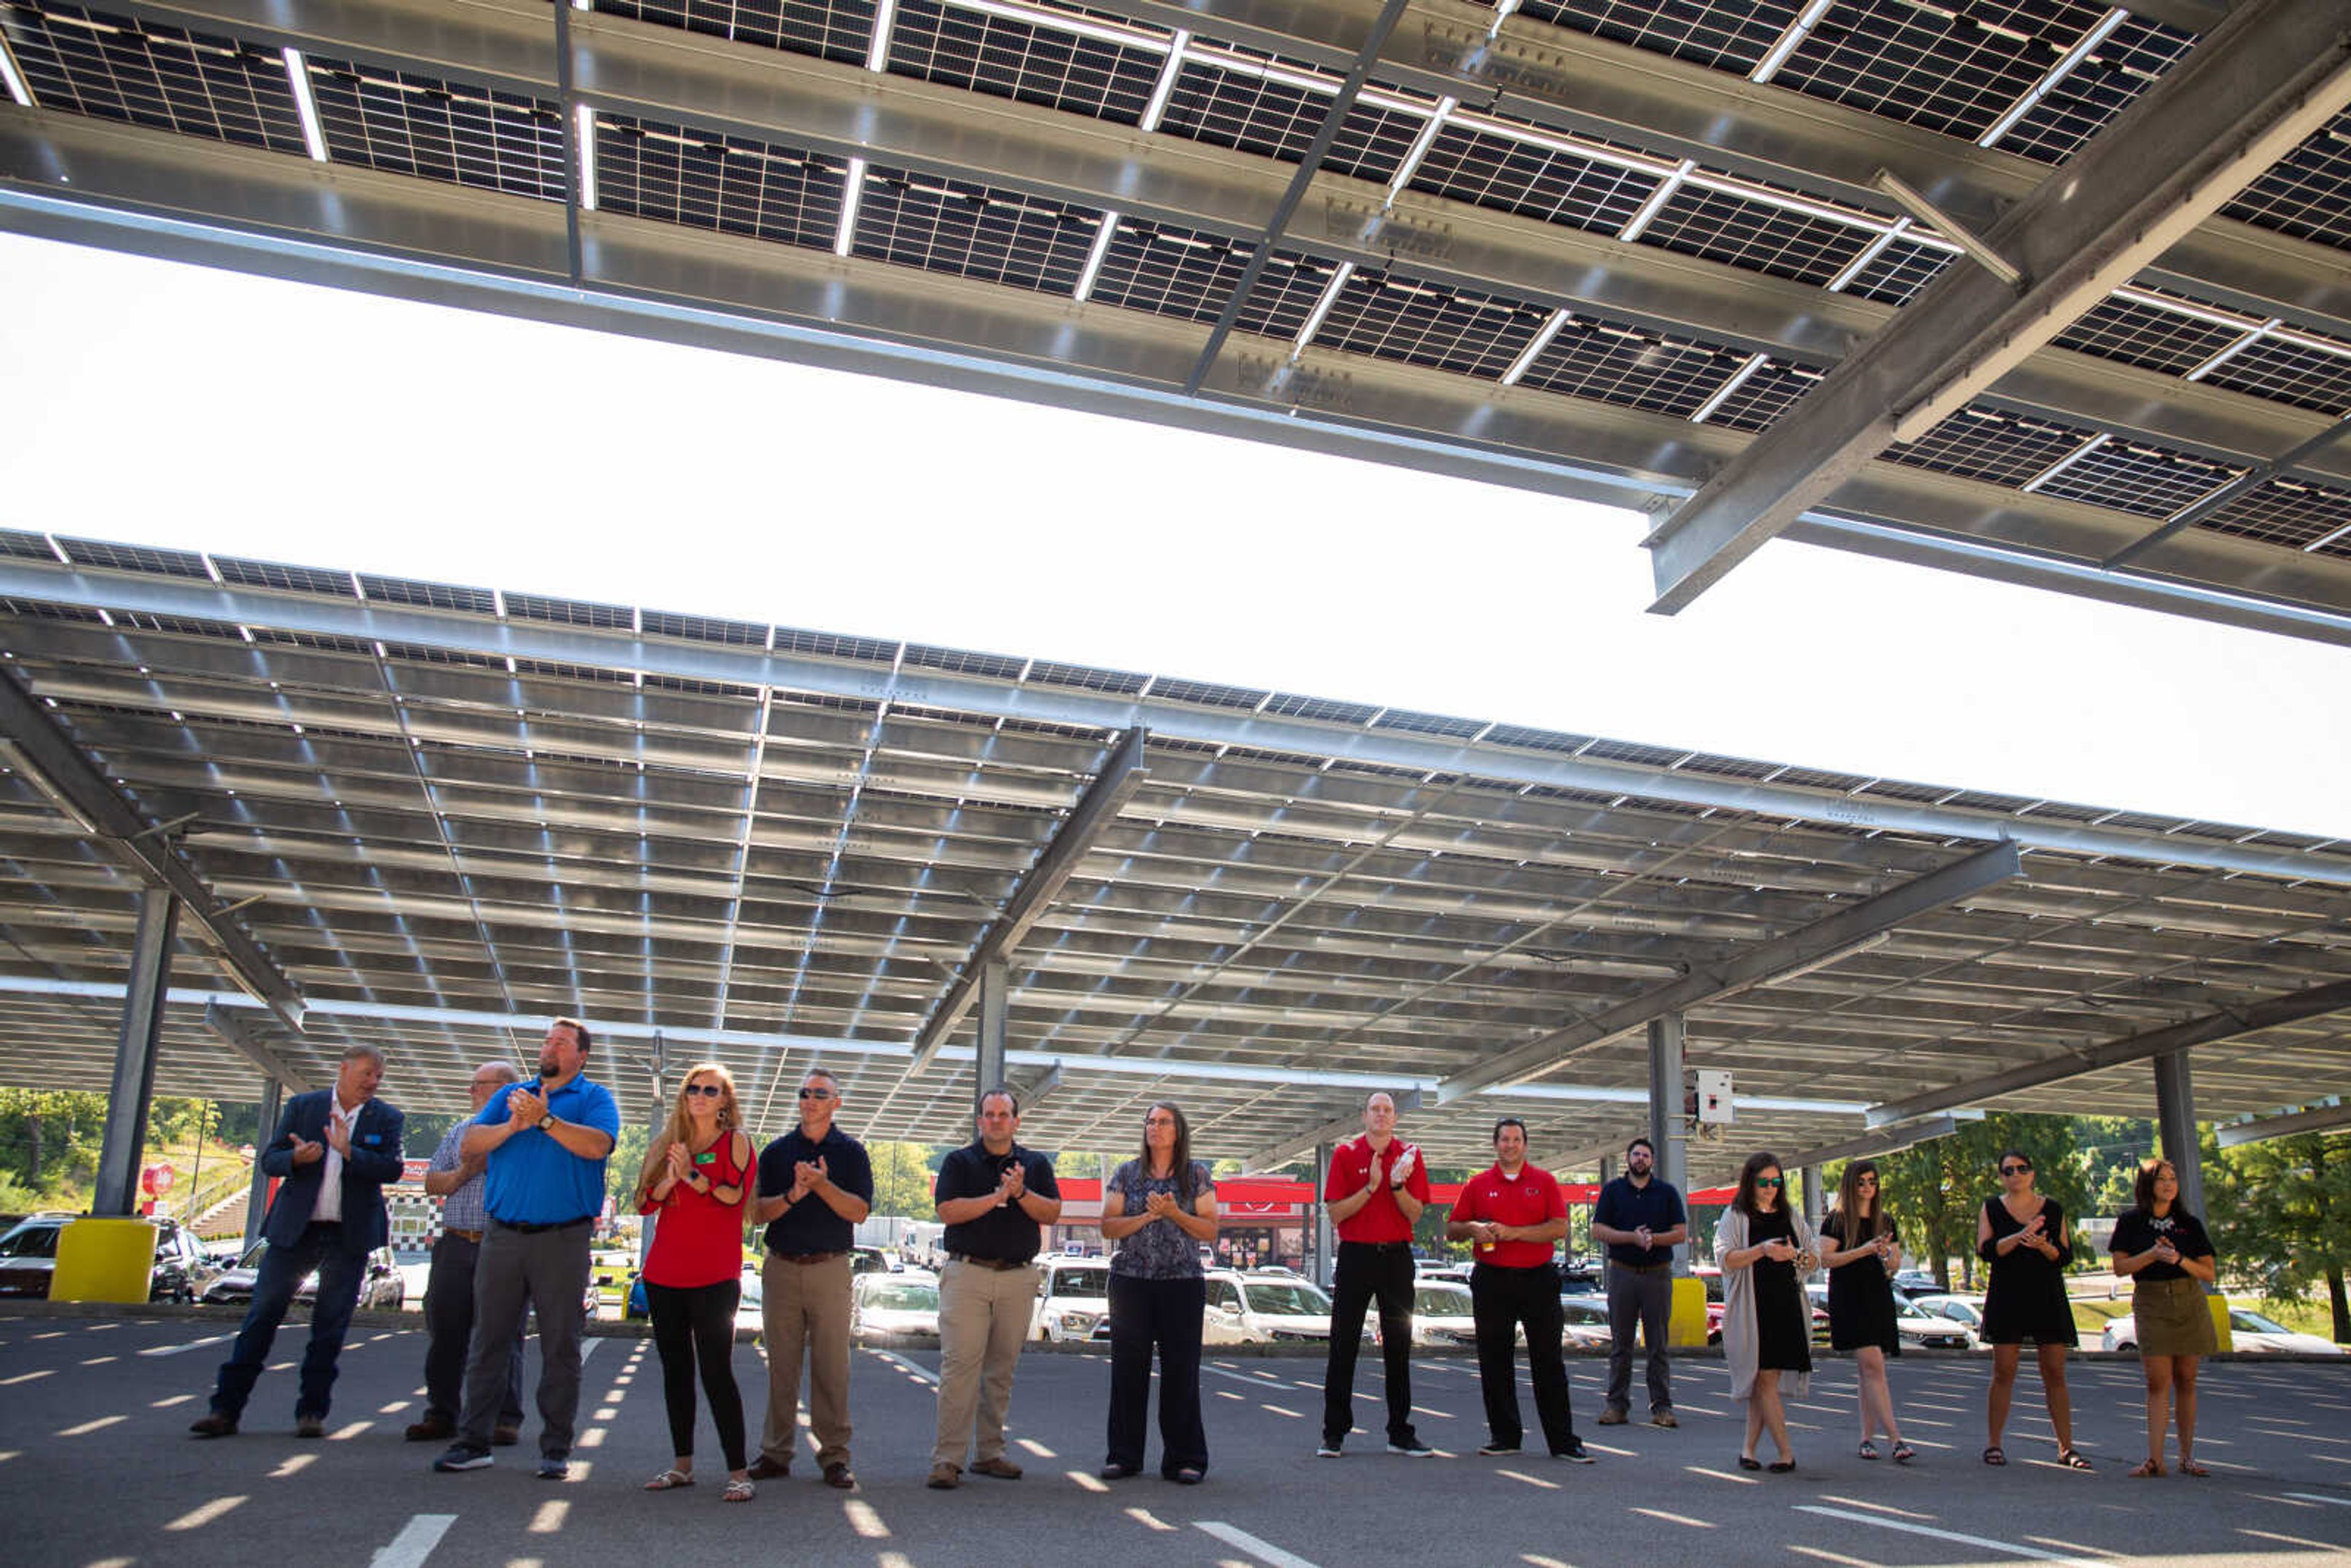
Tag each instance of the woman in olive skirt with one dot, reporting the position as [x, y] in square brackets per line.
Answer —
[2164, 1248]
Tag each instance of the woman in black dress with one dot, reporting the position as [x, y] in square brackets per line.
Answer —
[1765, 1250]
[1861, 1253]
[2165, 1251]
[2022, 1236]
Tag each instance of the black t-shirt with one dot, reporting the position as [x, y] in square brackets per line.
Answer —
[2136, 1230]
[810, 1225]
[1005, 1234]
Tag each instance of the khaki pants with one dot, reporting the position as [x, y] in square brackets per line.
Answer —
[804, 1309]
[983, 1318]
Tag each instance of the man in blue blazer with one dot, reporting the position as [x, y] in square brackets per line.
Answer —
[334, 1151]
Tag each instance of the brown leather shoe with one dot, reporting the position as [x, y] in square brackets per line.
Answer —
[310, 1427]
[1662, 1419]
[841, 1478]
[764, 1469]
[506, 1436]
[432, 1430]
[945, 1477]
[213, 1426]
[1612, 1418]
[1002, 1470]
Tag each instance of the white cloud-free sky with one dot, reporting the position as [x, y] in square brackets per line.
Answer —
[159, 404]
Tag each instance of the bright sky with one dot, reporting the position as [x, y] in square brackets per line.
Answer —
[158, 403]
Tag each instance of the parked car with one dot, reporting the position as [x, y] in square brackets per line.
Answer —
[1579, 1277]
[382, 1288]
[1916, 1282]
[1453, 1273]
[1441, 1315]
[1257, 1308]
[1587, 1326]
[906, 1302]
[28, 1254]
[1928, 1331]
[1965, 1310]
[870, 1261]
[1072, 1298]
[2248, 1331]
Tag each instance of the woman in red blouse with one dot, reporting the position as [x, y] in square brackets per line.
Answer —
[694, 1176]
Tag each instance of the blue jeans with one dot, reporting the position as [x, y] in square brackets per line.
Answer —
[282, 1269]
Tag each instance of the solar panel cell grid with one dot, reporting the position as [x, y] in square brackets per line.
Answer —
[2141, 479]
[1529, 180]
[1728, 34]
[286, 579]
[1987, 443]
[405, 123]
[1765, 395]
[1284, 295]
[1633, 368]
[2308, 193]
[2142, 335]
[1285, 705]
[2104, 84]
[829, 29]
[729, 183]
[1007, 59]
[962, 662]
[1896, 274]
[429, 595]
[1372, 143]
[1253, 113]
[145, 73]
[2290, 372]
[2281, 512]
[1086, 678]
[1170, 271]
[970, 231]
[134, 558]
[1954, 67]
[24, 547]
[1394, 318]
[1755, 235]
[705, 629]
[571, 613]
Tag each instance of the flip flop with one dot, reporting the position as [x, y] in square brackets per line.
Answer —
[1993, 1455]
[669, 1480]
[2191, 1468]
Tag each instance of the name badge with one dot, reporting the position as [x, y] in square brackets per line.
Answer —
[707, 1157]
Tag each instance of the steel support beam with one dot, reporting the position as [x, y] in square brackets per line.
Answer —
[1323, 1249]
[133, 1084]
[987, 1057]
[1037, 1088]
[2271, 76]
[1276, 1155]
[1809, 947]
[2318, 1119]
[1884, 1143]
[2175, 1120]
[257, 1198]
[1668, 1116]
[1811, 1191]
[63, 772]
[246, 1035]
[2267, 1013]
[542, 640]
[1122, 773]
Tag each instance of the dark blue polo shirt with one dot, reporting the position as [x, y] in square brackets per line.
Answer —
[1007, 1234]
[1624, 1207]
[810, 1225]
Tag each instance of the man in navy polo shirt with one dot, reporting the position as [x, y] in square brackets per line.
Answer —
[1513, 1214]
[1642, 1221]
[544, 1189]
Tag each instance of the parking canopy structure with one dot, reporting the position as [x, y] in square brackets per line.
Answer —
[325, 807]
[2047, 291]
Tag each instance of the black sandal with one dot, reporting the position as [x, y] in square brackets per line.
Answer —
[1748, 1463]
[2073, 1460]
[1993, 1455]
[1904, 1453]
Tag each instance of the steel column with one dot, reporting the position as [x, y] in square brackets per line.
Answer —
[1668, 1122]
[1812, 1193]
[1320, 1268]
[257, 1202]
[2175, 1120]
[988, 1065]
[134, 1055]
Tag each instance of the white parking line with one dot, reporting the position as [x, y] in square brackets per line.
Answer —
[2313, 1497]
[903, 1364]
[192, 1344]
[415, 1541]
[1984, 1542]
[1263, 1550]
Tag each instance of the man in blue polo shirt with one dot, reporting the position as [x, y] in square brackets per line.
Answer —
[1641, 1219]
[545, 1144]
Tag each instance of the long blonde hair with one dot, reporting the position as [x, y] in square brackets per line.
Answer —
[679, 1129]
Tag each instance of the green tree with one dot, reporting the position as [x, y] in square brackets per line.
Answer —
[2277, 1211]
[903, 1176]
[1934, 1191]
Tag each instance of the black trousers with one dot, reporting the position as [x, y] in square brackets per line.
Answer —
[1163, 1315]
[691, 1326]
[449, 1328]
[1501, 1299]
[1366, 1270]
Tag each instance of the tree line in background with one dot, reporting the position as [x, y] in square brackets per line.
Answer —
[49, 1140]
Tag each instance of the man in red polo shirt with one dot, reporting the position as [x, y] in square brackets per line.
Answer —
[1513, 1214]
[1375, 1190]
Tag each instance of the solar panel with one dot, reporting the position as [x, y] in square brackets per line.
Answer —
[570, 612]
[1323, 710]
[2291, 372]
[729, 183]
[1729, 35]
[1170, 271]
[971, 230]
[1532, 180]
[963, 662]
[1208, 693]
[1009, 59]
[2292, 513]
[145, 73]
[1372, 141]
[1284, 295]
[1255, 113]
[1755, 235]
[2102, 86]
[406, 123]
[1983, 443]
[1954, 67]
[1436, 724]
[2135, 478]
[134, 558]
[1115, 683]
[285, 579]
[704, 629]
[2140, 334]
[2308, 193]
[23, 546]
[1765, 395]
[429, 595]
[1394, 318]
[825, 644]
[1895, 274]
[829, 29]
[1627, 366]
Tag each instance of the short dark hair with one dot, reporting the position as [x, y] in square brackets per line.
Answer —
[1642, 1143]
[1503, 1122]
[1001, 1092]
[578, 1029]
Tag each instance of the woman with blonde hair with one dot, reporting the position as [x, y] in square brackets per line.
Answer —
[2164, 1250]
[1765, 1249]
[1861, 1253]
[695, 1174]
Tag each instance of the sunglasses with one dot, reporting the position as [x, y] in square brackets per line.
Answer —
[1770, 1181]
[816, 1093]
[710, 1090]
[2016, 1170]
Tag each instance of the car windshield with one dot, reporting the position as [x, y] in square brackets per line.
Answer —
[1282, 1300]
[2253, 1322]
[1095, 1282]
[1440, 1302]
[904, 1297]
[35, 1241]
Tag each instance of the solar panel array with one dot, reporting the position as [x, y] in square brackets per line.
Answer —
[2030, 81]
[772, 846]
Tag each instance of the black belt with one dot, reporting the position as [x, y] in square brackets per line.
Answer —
[1638, 1268]
[999, 1264]
[1381, 1245]
[541, 1229]
[473, 1236]
[804, 1258]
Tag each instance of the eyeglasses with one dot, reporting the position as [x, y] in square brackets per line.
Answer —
[1769, 1181]
[815, 1093]
[2016, 1170]
[711, 1089]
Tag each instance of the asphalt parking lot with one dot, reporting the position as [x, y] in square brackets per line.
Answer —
[96, 1468]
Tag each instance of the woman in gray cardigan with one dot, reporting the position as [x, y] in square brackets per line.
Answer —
[1765, 1250]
